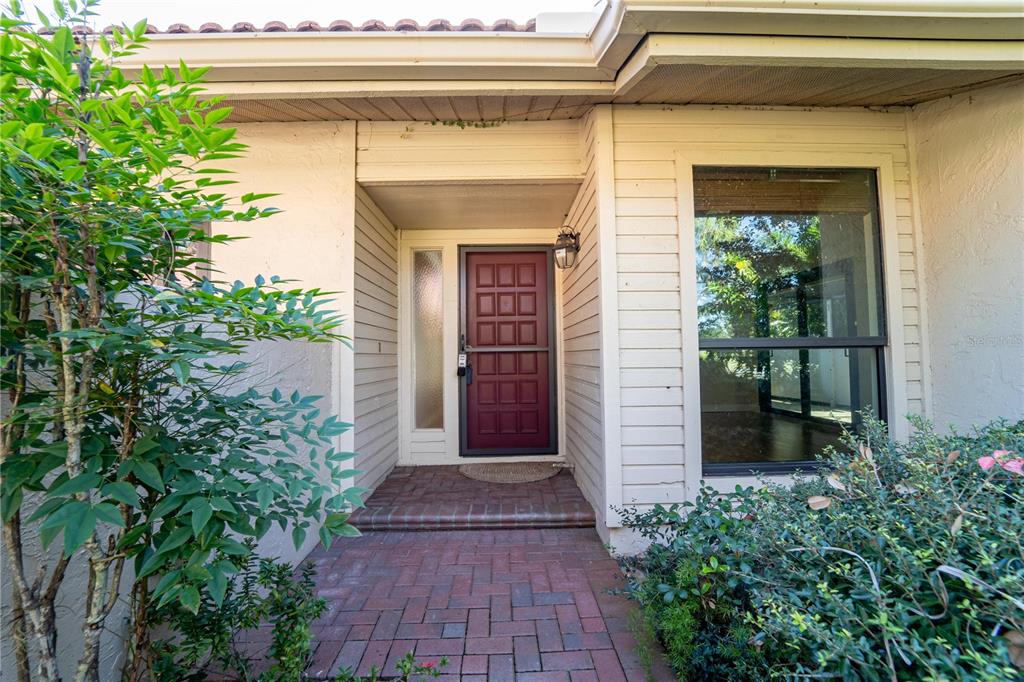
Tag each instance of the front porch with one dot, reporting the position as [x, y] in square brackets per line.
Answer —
[440, 498]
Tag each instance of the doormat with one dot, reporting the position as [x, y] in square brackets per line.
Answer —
[510, 472]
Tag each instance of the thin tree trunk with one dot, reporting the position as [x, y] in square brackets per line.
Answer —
[19, 635]
[38, 617]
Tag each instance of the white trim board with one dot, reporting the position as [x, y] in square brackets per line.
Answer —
[780, 155]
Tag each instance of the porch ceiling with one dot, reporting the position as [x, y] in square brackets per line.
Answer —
[464, 205]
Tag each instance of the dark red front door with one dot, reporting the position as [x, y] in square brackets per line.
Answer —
[507, 402]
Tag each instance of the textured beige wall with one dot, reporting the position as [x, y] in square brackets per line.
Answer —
[311, 241]
[969, 169]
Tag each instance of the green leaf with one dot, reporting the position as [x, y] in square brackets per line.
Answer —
[108, 513]
[298, 536]
[200, 516]
[264, 496]
[148, 474]
[326, 538]
[346, 531]
[190, 599]
[122, 492]
[11, 502]
[59, 517]
[176, 539]
[78, 529]
[221, 504]
[144, 445]
[182, 371]
[217, 585]
[233, 547]
[168, 580]
[78, 484]
[262, 526]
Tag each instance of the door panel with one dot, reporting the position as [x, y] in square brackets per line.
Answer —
[507, 406]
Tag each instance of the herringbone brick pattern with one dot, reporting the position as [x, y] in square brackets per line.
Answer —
[500, 604]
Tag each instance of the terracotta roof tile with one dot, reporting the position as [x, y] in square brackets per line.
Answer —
[342, 26]
[407, 25]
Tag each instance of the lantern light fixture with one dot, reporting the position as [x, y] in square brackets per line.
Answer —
[567, 246]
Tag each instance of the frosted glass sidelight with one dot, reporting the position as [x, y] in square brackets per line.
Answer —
[427, 339]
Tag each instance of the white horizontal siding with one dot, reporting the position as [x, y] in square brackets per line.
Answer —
[529, 151]
[646, 139]
[581, 288]
[375, 342]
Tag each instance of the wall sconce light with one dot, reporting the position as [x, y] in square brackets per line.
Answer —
[567, 246]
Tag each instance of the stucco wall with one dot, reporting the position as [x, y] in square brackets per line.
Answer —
[969, 171]
[312, 168]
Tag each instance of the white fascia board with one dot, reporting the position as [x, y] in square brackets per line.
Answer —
[922, 19]
[718, 50]
[317, 89]
[375, 55]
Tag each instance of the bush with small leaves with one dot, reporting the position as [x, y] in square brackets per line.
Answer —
[894, 561]
[205, 643]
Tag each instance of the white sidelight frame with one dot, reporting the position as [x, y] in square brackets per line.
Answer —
[420, 447]
[784, 156]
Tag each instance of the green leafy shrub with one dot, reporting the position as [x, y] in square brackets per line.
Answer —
[126, 441]
[895, 561]
[264, 591]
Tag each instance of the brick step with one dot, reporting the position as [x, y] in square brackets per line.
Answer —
[474, 516]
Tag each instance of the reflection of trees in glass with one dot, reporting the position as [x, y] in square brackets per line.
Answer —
[743, 364]
[750, 270]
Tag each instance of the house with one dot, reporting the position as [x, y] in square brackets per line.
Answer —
[788, 214]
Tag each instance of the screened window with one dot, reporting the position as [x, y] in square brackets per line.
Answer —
[790, 311]
[427, 330]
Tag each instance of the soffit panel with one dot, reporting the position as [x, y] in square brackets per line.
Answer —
[475, 206]
[804, 86]
[470, 109]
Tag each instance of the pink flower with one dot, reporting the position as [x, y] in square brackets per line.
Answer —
[986, 463]
[1015, 465]
[999, 454]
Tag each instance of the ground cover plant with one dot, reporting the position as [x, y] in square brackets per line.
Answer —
[895, 561]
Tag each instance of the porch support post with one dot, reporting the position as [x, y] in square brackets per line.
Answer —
[609, 307]
[343, 380]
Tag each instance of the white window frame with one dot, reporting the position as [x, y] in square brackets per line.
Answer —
[894, 352]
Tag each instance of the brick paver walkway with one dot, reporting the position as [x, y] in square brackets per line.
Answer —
[509, 581]
[500, 604]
